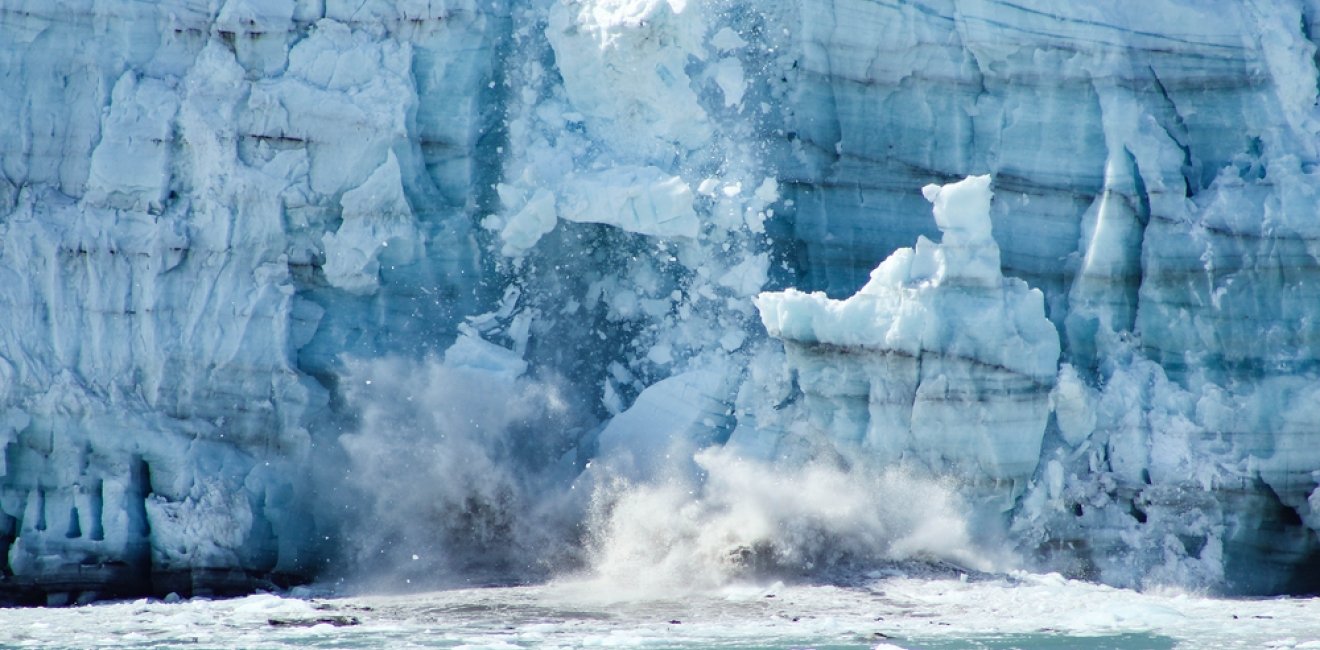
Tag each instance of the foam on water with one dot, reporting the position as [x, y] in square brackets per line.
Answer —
[912, 613]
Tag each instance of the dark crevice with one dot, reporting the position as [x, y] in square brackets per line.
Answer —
[74, 530]
[139, 488]
[1179, 135]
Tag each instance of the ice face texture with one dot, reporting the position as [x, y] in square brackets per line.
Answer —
[204, 206]
[220, 220]
[938, 361]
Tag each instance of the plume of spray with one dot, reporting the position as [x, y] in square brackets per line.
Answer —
[460, 466]
[748, 520]
[467, 470]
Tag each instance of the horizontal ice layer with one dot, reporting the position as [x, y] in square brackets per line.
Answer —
[1154, 169]
[937, 362]
[1038, 94]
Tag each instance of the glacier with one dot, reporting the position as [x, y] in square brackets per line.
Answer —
[428, 287]
[937, 361]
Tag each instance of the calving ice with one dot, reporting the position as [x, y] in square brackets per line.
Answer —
[937, 362]
[418, 293]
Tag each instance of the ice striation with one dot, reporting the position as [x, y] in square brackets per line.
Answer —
[299, 285]
[1153, 168]
[938, 362]
[205, 205]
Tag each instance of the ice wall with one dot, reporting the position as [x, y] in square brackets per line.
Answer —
[205, 205]
[938, 362]
[1154, 176]
[227, 227]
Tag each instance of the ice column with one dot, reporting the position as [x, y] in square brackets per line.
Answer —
[938, 362]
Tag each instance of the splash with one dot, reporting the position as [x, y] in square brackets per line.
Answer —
[460, 467]
[746, 520]
[468, 469]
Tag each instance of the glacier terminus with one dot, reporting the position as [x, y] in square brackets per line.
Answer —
[452, 291]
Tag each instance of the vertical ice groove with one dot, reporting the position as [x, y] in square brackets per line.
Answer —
[163, 296]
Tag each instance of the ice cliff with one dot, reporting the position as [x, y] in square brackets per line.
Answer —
[293, 281]
[937, 362]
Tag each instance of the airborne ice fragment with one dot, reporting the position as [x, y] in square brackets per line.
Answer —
[729, 75]
[727, 40]
[643, 200]
[623, 66]
[672, 418]
[526, 227]
[638, 199]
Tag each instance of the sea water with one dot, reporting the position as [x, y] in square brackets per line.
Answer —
[1019, 610]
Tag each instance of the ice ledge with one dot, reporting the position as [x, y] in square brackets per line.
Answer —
[949, 299]
[938, 361]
